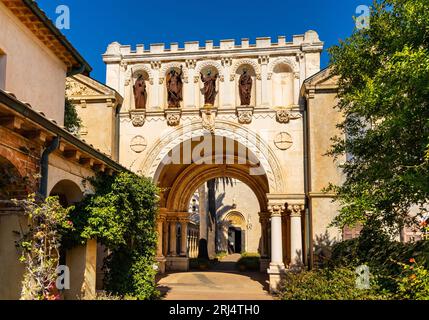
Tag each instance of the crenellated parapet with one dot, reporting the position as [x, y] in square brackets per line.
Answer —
[277, 69]
[309, 40]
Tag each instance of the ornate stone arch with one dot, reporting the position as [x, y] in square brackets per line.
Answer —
[250, 62]
[132, 70]
[236, 217]
[166, 67]
[253, 141]
[208, 63]
[287, 61]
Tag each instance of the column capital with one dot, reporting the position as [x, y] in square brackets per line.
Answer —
[172, 218]
[276, 210]
[295, 209]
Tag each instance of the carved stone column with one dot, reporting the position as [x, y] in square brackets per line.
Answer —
[184, 237]
[264, 219]
[173, 237]
[166, 237]
[277, 268]
[296, 211]
[160, 223]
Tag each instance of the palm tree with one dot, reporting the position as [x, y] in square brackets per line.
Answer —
[213, 186]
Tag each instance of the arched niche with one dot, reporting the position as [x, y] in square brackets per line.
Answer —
[252, 72]
[133, 72]
[282, 85]
[136, 74]
[214, 71]
[67, 191]
[163, 81]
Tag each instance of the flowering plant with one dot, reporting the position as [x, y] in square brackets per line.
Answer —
[413, 284]
[40, 246]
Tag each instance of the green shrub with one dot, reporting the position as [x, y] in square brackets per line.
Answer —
[327, 284]
[122, 216]
[413, 283]
[249, 261]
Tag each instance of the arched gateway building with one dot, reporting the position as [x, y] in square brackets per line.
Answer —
[258, 114]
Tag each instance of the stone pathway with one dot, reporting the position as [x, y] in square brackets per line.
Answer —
[224, 283]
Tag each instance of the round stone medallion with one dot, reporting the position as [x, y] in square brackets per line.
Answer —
[138, 144]
[283, 141]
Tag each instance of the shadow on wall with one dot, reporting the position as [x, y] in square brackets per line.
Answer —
[323, 249]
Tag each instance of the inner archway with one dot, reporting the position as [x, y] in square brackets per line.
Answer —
[195, 163]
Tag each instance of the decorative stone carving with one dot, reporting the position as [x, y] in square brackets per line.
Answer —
[245, 114]
[75, 88]
[263, 60]
[295, 210]
[173, 116]
[138, 118]
[285, 115]
[226, 61]
[124, 65]
[208, 116]
[283, 141]
[155, 65]
[276, 210]
[138, 144]
[191, 63]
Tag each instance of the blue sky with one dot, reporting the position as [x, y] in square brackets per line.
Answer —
[96, 23]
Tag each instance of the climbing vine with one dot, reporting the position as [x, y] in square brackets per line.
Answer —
[40, 244]
[121, 215]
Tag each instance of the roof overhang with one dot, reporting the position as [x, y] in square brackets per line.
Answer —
[28, 122]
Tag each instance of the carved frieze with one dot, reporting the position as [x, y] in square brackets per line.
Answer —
[173, 116]
[208, 116]
[283, 141]
[285, 115]
[138, 118]
[245, 114]
[138, 144]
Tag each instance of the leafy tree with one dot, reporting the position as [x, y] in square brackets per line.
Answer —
[383, 75]
[72, 122]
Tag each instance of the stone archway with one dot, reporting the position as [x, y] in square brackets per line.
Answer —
[188, 165]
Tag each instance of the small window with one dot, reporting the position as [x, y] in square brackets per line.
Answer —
[2, 70]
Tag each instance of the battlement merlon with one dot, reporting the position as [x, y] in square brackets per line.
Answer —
[308, 42]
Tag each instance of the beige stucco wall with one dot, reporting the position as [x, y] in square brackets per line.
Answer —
[33, 73]
[98, 119]
[82, 261]
[323, 118]
[11, 270]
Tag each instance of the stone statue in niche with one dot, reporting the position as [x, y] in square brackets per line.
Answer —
[140, 94]
[174, 88]
[245, 88]
[209, 90]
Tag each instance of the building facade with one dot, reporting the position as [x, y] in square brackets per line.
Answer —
[37, 155]
[274, 143]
